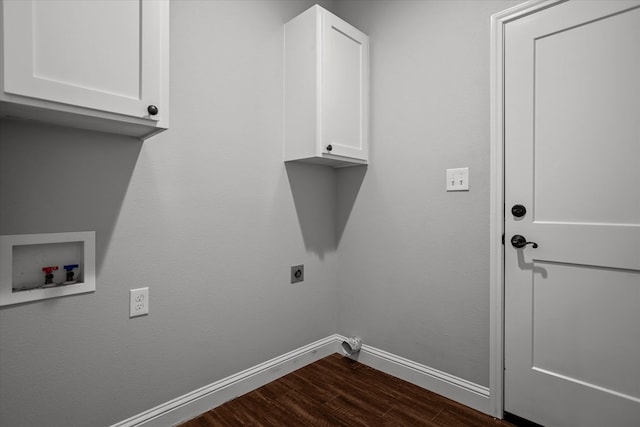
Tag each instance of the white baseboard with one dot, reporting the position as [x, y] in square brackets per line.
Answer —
[470, 394]
[199, 401]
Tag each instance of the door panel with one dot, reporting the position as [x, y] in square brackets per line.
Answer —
[110, 64]
[103, 55]
[595, 308]
[345, 81]
[572, 149]
[579, 176]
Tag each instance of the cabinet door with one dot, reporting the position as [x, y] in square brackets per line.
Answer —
[345, 75]
[100, 54]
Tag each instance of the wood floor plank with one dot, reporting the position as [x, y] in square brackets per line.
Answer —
[278, 388]
[309, 410]
[268, 412]
[448, 418]
[411, 411]
[338, 391]
[350, 411]
[402, 417]
[311, 386]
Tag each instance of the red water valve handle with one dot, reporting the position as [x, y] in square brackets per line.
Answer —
[48, 270]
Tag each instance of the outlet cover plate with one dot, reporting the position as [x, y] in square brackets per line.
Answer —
[138, 302]
[297, 273]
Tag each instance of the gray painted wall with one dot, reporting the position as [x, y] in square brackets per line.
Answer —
[210, 219]
[413, 266]
[205, 214]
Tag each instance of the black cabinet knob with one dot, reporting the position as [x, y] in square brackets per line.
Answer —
[518, 211]
[329, 147]
[152, 109]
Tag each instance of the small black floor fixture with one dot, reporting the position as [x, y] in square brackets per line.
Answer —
[519, 421]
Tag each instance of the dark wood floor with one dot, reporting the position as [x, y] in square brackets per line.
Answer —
[337, 391]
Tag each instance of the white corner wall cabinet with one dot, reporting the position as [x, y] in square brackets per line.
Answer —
[99, 65]
[326, 93]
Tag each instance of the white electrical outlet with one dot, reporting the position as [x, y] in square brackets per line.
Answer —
[138, 302]
[458, 179]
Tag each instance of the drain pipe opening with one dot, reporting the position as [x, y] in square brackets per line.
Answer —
[351, 345]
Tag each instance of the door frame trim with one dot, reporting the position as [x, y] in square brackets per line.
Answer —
[497, 209]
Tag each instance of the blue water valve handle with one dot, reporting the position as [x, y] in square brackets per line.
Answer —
[70, 273]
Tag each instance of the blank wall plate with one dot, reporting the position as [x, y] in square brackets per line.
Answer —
[458, 179]
[138, 302]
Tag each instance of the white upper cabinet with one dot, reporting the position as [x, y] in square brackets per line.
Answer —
[326, 90]
[98, 64]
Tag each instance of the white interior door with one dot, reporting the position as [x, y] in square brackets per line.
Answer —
[572, 159]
